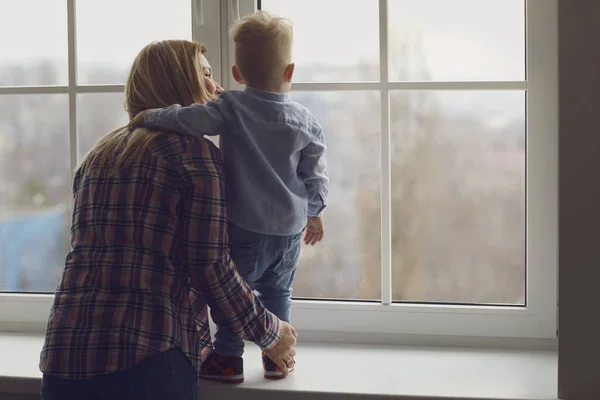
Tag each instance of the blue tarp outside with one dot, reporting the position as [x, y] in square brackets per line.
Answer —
[32, 250]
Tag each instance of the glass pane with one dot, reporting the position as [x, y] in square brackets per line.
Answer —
[34, 43]
[458, 196]
[327, 47]
[110, 33]
[458, 40]
[35, 191]
[346, 264]
[98, 114]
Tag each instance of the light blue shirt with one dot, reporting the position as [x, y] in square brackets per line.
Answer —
[273, 151]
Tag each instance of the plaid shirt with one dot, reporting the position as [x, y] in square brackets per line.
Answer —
[149, 252]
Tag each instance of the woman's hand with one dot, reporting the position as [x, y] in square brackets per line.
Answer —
[285, 350]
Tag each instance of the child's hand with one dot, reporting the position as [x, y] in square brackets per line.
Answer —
[314, 231]
[138, 121]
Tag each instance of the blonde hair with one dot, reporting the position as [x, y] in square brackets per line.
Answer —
[263, 48]
[162, 74]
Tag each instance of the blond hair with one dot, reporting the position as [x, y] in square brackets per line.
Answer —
[263, 48]
[162, 74]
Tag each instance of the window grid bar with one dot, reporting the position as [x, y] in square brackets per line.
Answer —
[386, 154]
[302, 86]
[100, 88]
[386, 85]
[72, 87]
[8, 90]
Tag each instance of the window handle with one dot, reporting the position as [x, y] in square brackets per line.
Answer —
[234, 7]
[199, 12]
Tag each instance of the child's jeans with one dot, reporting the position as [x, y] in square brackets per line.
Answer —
[268, 264]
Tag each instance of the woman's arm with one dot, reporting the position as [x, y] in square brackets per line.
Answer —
[209, 265]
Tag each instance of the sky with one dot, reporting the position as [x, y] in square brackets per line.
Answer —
[462, 40]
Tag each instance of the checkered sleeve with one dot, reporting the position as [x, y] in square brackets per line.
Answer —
[210, 267]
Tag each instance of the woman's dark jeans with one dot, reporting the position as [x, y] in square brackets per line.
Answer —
[165, 376]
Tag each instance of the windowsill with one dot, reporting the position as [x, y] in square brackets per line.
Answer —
[337, 371]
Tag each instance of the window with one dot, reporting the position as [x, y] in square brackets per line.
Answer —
[457, 155]
[441, 122]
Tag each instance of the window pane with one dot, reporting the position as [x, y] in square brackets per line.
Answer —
[458, 40]
[346, 264]
[110, 33]
[98, 114]
[34, 42]
[458, 196]
[35, 187]
[334, 40]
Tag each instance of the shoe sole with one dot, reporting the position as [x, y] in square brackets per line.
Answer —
[274, 375]
[224, 379]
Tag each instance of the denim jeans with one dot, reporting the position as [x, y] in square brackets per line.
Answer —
[268, 264]
[165, 376]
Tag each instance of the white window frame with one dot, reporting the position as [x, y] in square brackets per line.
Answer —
[363, 321]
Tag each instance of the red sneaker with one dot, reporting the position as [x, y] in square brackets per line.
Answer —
[272, 370]
[226, 369]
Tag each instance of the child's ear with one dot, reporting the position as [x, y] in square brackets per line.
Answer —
[289, 73]
[237, 75]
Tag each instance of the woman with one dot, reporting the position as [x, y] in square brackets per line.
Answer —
[149, 252]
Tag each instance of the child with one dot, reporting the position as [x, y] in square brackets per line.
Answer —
[276, 178]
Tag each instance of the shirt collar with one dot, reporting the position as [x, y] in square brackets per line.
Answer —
[279, 97]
